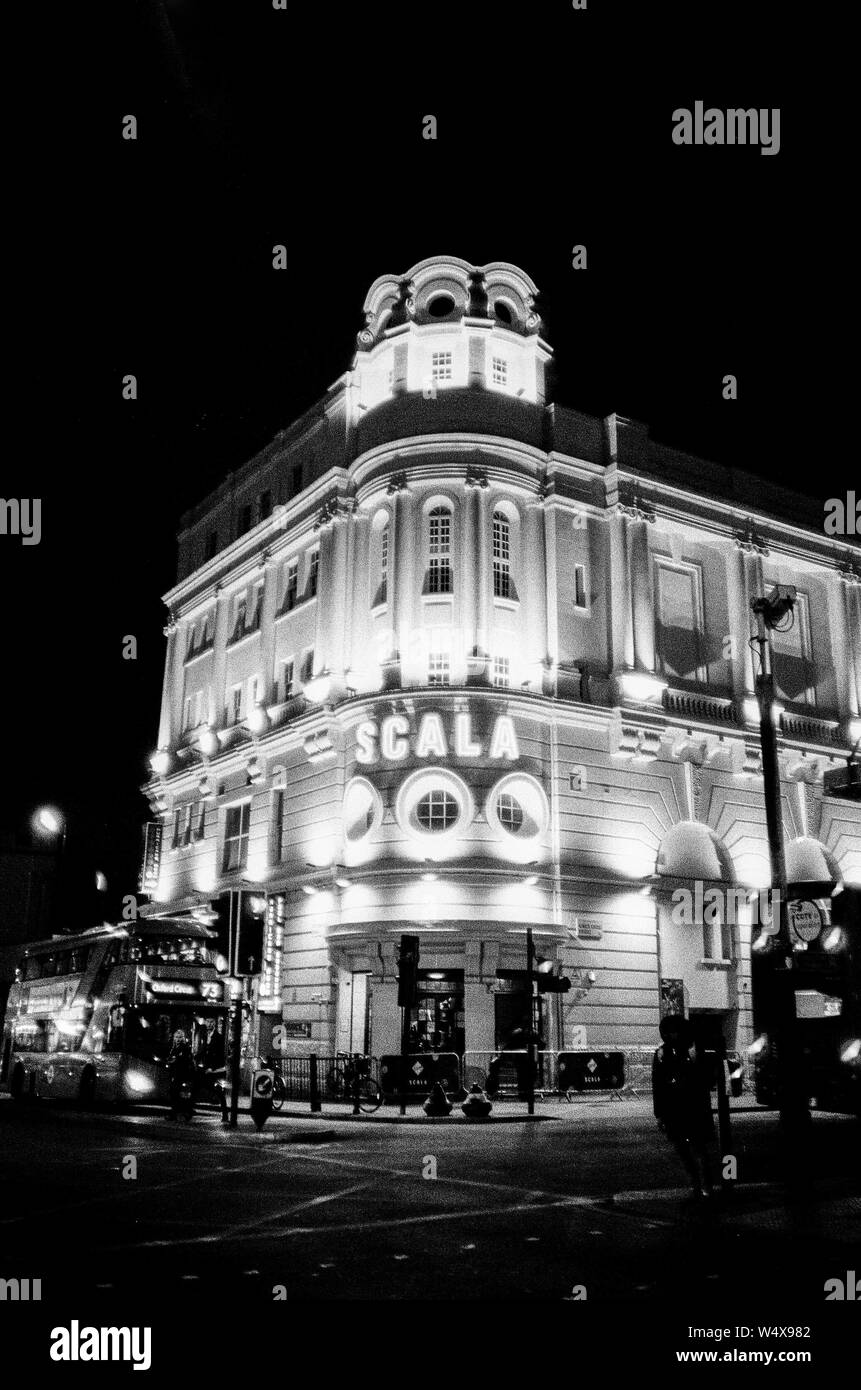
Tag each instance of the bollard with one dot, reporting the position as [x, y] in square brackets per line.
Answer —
[316, 1103]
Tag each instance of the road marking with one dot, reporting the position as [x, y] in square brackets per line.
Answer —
[251, 1230]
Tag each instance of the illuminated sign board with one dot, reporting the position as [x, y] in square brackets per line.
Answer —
[174, 987]
[392, 739]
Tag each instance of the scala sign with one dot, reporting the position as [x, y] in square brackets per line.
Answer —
[393, 739]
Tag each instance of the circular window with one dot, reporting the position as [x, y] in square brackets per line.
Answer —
[518, 806]
[509, 813]
[363, 809]
[503, 313]
[441, 306]
[437, 811]
[434, 803]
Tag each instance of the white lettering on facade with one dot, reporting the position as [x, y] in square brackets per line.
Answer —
[390, 739]
[431, 739]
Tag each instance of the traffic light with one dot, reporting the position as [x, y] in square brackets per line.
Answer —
[553, 984]
[408, 965]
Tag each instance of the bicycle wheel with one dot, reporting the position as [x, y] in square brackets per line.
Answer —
[279, 1091]
[334, 1083]
[370, 1095]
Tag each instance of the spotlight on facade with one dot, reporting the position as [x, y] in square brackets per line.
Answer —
[640, 686]
[258, 721]
[309, 889]
[319, 688]
[221, 965]
[207, 742]
[101, 882]
[531, 880]
[761, 942]
[342, 881]
[852, 1051]
[430, 874]
[160, 762]
[757, 1046]
[257, 905]
[834, 940]
[49, 820]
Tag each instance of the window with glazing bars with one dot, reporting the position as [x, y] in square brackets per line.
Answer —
[383, 589]
[439, 668]
[441, 366]
[313, 573]
[439, 551]
[502, 671]
[236, 837]
[501, 556]
[291, 589]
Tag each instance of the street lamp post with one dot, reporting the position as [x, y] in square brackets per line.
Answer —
[769, 611]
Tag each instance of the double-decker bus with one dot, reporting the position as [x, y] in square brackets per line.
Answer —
[92, 1017]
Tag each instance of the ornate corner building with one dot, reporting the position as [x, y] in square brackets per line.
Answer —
[449, 659]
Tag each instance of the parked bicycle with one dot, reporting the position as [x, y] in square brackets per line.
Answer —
[351, 1074]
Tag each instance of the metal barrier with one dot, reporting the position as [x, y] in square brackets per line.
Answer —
[504, 1072]
[424, 1070]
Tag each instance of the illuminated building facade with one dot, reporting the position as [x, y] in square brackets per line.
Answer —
[449, 659]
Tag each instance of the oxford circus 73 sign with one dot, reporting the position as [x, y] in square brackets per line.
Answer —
[394, 738]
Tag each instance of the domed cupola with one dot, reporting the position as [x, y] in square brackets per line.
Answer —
[447, 324]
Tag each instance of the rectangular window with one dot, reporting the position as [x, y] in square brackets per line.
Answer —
[254, 692]
[244, 519]
[501, 556]
[308, 665]
[256, 608]
[200, 824]
[441, 366]
[439, 552]
[182, 825]
[382, 592]
[291, 588]
[236, 837]
[678, 621]
[277, 827]
[579, 586]
[502, 671]
[177, 827]
[234, 711]
[192, 636]
[499, 371]
[239, 615]
[439, 668]
[264, 506]
[794, 679]
[313, 573]
[287, 677]
[211, 547]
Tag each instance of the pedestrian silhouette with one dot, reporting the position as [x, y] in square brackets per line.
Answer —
[681, 1093]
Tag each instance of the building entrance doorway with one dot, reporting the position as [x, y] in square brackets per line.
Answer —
[512, 1013]
[437, 1021]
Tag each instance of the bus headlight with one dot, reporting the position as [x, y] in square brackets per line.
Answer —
[138, 1082]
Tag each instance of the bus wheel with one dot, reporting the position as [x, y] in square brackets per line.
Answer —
[16, 1085]
[87, 1090]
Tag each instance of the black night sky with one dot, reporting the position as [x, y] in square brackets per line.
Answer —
[258, 127]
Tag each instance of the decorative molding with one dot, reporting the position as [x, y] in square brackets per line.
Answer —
[397, 483]
[850, 572]
[637, 509]
[750, 542]
[171, 625]
[333, 509]
[475, 477]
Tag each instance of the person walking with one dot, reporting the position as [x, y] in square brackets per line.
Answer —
[681, 1094]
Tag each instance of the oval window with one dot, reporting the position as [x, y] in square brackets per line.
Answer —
[509, 813]
[440, 306]
[438, 810]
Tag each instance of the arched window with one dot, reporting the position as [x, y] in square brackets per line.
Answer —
[501, 556]
[380, 579]
[439, 551]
